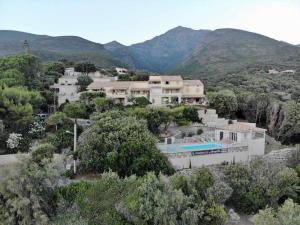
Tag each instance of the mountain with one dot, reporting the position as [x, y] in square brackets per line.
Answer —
[226, 51]
[203, 54]
[113, 46]
[53, 48]
[163, 52]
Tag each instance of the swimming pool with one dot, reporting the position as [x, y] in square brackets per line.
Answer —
[173, 148]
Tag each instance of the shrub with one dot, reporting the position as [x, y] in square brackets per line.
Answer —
[43, 151]
[71, 191]
[199, 131]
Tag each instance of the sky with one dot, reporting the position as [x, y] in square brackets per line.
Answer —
[133, 21]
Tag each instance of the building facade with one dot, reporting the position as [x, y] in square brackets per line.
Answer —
[159, 90]
[67, 88]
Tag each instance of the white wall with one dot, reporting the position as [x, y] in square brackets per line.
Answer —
[257, 146]
[183, 161]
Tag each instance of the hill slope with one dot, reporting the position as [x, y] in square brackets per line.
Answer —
[229, 50]
[113, 46]
[163, 52]
[53, 48]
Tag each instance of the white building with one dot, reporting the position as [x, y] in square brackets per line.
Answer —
[159, 90]
[121, 71]
[233, 143]
[67, 88]
[243, 133]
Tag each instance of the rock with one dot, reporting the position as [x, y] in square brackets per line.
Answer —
[233, 218]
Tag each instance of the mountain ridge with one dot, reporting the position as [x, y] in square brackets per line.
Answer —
[113, 46]
[228, 50]
[162, 52]
[181, 50]
[56, 47]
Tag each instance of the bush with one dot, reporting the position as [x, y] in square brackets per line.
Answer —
[199, 131]
[191, 134]
[72, 191]
[182, 122]
[43, 151]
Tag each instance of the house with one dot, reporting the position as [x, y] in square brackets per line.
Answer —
[67, 89]
[273, 71]
[243, 133]
[159, 90]
[288, 72]
[221, 143]
[121, 71]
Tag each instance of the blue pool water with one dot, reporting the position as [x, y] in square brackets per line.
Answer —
[189, 147]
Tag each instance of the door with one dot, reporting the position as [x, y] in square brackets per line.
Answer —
[221, 135]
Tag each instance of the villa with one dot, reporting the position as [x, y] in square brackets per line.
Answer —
[67, 88]
[223, 141]
[159, 90]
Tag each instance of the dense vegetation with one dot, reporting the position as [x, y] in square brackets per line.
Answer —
[135, 183]
[55, 48]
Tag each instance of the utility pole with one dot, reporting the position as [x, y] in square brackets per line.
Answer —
[75, 144]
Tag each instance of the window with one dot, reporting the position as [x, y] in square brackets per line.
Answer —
[167, 82]
[233, 136]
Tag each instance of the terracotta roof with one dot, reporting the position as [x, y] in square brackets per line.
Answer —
[171, 78]
[192, 82]
[165, 78]
[136, 85]
[118, 84]
[243, 127]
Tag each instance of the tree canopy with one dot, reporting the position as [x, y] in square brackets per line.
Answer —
[122, 143]
[85, 67]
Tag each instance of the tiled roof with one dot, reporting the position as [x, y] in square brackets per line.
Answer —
[165, 78]
[119, 84]
[192, 82]
[243, 127]
[171, 78]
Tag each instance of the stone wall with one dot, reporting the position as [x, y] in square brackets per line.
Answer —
[280, 156]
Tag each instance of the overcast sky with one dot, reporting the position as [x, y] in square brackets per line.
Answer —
[132, 21]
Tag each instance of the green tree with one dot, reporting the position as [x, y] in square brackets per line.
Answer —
[85, 67]
[57, 118]
[122, 143]
[12, 77]
[103, 104]
[141, 101]
[42, 152]
[287, 214]
[191, 114]
[27, 194]
[224, 101]
[27, 64]
[75, 110]
[289, 130]
[84, 81]
[16, 107]
[259, 185]
[56, 67]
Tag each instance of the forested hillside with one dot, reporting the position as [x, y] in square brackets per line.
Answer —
[228, 51]
[162, 53]
[53, 48]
